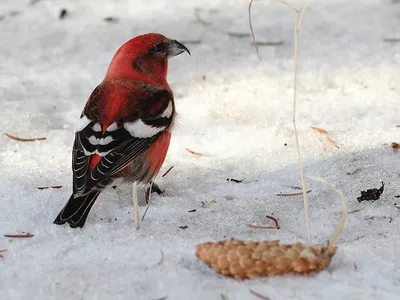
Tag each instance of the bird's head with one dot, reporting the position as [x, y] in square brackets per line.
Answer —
[145, 57]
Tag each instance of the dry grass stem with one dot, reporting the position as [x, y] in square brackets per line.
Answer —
[299, 18]
[335, 235]
[252, 31]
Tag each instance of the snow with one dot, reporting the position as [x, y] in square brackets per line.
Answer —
[232, 108]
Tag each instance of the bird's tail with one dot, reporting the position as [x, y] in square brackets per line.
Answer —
[77, 209]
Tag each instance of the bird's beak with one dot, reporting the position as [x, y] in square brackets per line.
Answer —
[175, 48]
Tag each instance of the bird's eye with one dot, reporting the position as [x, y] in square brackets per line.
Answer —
[161, 47]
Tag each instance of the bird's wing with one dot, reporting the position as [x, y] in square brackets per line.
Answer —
[116, 145]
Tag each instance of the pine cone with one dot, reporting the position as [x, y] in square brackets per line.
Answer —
[240, 259]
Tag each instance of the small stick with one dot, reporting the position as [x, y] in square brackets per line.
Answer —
[292, 194]
[24, 139]
[18, 236]
[194, 153]
[166, 172]
[259, 295]
[354, 211]
[50, 187]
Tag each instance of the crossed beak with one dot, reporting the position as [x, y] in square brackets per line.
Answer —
[175, 48]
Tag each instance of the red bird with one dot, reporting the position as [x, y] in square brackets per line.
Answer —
[124, 129]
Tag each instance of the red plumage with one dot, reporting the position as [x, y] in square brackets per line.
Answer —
[124, 130]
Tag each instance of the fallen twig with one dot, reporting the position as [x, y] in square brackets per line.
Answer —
[49, 187]
[166, 172]
[193, 152]
[354, 211]
[18, 236]
[24, 139]
[259, 295]
[292, 194]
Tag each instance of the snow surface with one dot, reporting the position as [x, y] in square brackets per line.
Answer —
[232, 108]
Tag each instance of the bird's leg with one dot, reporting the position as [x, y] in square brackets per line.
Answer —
[135, 205]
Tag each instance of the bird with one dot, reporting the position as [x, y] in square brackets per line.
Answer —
[124, 130]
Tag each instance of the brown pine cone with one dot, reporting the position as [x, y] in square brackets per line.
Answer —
[240, 259]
